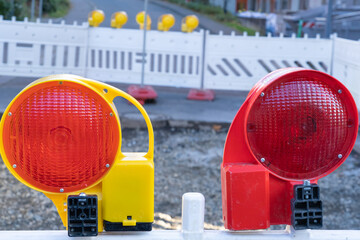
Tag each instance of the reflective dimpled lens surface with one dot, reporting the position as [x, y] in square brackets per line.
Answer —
[299, 127]
[60, 135]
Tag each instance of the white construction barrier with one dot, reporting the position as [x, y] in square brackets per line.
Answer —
[238, 62]
[175, 59]
[106, 54]
[38, 49]
[346, 65]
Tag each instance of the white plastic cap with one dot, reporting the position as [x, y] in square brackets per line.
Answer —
[193, 207]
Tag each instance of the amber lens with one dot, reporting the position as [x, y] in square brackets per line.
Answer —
[60, 135]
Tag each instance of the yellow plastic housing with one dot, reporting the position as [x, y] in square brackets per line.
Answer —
[128, 188]
[140, 19]
[189, 23]
[95, 18]
[119, 19]
[166, 22]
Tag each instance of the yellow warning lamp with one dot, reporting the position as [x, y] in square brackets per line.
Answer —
[96, 17]
[166, 22]
[118, 19]
[140, 19]
[61, 136]
[189, 23]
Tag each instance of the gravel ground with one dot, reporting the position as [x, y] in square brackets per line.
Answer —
[186, 160]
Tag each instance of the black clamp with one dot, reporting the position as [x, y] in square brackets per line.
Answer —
[306, 207]
[82, 215]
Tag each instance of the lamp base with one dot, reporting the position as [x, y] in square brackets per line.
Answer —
[118, 226]
[142, 94]
[201, 94]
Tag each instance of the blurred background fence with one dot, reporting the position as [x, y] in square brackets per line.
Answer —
[174, 59]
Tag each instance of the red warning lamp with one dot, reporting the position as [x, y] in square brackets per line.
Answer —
[295, 127]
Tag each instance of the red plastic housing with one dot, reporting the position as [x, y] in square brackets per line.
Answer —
[60, 136]
[295, 125]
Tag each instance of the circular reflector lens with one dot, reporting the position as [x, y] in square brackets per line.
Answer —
[302, 125]
[60, 135]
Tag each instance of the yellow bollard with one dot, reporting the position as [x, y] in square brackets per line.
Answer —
[166, 22]
[118, 19]
[96, 17]
[189, 23]
[140, 19]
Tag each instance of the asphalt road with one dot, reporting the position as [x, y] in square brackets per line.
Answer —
[81, 8]
[171, 105]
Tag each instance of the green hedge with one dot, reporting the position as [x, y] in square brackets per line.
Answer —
[19, 9]
[214, 12]
[56, 8]
[22, 8]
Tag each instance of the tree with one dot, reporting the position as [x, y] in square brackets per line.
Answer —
[9, 8]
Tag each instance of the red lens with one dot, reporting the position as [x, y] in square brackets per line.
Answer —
[60, 135]
[302, 126]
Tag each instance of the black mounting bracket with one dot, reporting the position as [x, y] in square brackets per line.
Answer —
[306, 207]
[82, 215]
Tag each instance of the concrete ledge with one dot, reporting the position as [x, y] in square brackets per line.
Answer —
[205, 235]
[134, 120]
